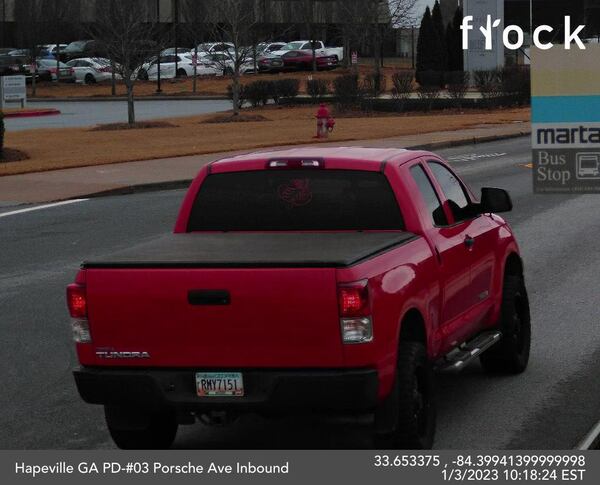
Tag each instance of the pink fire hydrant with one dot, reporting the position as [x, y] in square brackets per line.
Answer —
[325, 122]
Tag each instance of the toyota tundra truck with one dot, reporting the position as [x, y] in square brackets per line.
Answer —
[321, 280]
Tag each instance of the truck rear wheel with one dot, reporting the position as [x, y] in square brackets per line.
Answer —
[406, 419]
[132, 430]
[511, 354]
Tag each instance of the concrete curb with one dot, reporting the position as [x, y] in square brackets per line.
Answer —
[121, 98]
[33, 113]
[183, 184]
[469, 141]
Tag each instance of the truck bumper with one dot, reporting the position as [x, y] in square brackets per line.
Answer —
[347, 390]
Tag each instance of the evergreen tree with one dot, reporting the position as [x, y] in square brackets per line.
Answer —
[454, 43]
[438, 25]
[426, 44]
[450, 55]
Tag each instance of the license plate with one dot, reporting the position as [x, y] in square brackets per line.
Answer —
[219, 384]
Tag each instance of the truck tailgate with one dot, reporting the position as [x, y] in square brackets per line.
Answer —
[225, 299]
[275, 317]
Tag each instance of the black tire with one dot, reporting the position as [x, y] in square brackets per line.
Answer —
[181, 73]
[90, 79]
[511, 354]
[410, 409]
[157, 432]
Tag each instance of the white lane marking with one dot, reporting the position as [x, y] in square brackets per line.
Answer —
[40, 207]
[591, 439]
[471, 157]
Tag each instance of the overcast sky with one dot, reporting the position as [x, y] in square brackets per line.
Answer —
[421, 5]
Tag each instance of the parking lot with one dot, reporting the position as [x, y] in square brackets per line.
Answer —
[78, 114]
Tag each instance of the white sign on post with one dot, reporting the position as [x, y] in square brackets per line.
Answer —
[477, 57]
[13, 89]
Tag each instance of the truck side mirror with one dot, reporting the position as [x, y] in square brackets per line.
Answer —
[495, 200]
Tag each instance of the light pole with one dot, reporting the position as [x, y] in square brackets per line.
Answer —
[531, 19]
[3, 23]
[175, 24]
[158, 80]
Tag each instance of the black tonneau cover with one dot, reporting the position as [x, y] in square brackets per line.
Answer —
[239, 250]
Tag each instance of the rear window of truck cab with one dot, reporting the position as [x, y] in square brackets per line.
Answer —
[296, 200]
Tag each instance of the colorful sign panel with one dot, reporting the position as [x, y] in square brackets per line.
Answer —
[565, 120]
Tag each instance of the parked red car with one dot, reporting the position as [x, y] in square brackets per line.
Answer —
[307, 280]
[304, 60]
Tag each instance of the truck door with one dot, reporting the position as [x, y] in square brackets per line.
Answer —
[451, 251]
[478, 232]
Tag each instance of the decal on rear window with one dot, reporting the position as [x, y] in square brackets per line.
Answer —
[296, 193]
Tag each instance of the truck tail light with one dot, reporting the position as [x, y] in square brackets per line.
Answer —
[355, 313]
[77, 302]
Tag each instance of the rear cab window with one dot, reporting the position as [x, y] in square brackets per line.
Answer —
[296, 200]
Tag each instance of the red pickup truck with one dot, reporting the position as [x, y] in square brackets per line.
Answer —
[308, 280]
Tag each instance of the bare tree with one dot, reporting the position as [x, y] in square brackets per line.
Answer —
[234, 21]
[194, 15]
[31, 33]
[123, 30]
[58, 16]
[353, 15]
[307, 8]
[402, 12]
[365, 21]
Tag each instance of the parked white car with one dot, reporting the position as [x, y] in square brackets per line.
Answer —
[91, 70]
[177, 66]
[171, 51]
[266, 48]
[305, 45]
[225, 63]
[214, 47]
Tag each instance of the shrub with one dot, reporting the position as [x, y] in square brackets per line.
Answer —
[374, 84]
[488, 85]
[242, 96]
[458, 84]
[1, 133]
[259, 92]
[429, 93]
[515, 85]
[285, 88]
[317, 89]
[431, 79]
[348, 91]
[403, 84]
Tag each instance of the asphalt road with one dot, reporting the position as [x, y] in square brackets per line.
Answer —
[75, 114]
[551, 406]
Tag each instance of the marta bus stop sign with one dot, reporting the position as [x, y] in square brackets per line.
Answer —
[13, 89]
[565, 116]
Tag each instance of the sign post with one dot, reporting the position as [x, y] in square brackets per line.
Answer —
[13, 89]
[565, 116]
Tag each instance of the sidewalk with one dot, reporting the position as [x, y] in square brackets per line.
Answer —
[174, 172]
